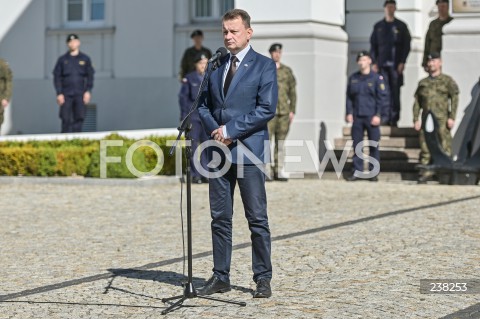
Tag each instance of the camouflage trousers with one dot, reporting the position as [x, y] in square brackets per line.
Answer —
[445, 140]
[278, 129]
[2, 111]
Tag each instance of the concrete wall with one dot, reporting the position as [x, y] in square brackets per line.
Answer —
[315, 47]
[135, 83]
[362, 15]
[137, 52]
[461, 57]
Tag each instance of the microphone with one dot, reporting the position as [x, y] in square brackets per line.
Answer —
[221, 52]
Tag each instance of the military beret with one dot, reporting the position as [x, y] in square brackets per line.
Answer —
[434, 55]
[441, 1]
[362, 53]
[196, 33]
[72, 36]
[275, 47]
[389, 2]
[199, 56]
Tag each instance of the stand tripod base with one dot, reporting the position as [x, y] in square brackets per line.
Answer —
[190, 293]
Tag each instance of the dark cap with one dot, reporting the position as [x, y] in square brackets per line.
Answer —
[196, 33]
[362, 53]
[434, 55]
[390, 2]
[441, 1]
[275, 47]
[199, 56]
[72, 36]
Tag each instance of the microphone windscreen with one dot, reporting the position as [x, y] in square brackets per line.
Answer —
[223, 52]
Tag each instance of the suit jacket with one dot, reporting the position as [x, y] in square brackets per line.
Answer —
[250, 103]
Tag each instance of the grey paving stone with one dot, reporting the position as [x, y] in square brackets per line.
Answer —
[102, 249]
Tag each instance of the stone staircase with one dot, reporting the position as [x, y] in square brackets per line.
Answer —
[399, 152]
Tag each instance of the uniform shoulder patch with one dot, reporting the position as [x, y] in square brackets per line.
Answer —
[380, 77]
[184, 80]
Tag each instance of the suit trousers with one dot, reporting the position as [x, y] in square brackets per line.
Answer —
[72, 113]
[253, 194]
[198, 136]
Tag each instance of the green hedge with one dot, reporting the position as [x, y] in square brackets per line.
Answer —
[80, 157]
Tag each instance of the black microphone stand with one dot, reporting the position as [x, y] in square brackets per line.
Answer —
[185, 127]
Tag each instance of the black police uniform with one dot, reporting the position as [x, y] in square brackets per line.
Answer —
[188, 92]
[366, 94]
[73, 76]
[188, 59]
[390, 46]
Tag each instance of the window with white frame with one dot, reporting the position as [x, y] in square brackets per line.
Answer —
[211, 9]
[80, 12]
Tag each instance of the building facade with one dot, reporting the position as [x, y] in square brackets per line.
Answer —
[136, 47]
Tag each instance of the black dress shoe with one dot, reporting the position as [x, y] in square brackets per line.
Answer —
[353, 178]
[423, 179]
[263, 289]
[373, 179]
[196, 180]
[281, 179]
[214, 285]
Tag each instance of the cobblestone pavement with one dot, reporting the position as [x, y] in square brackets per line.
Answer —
[73, 248]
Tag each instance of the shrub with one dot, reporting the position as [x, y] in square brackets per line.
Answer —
[80, 157]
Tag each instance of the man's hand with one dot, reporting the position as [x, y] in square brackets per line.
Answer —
[401, 68]
[417, 125]
[290, 118]
[86, 97]
[349, 118]
[375, 68]
[218, 134]
[375, 120]
[60, 99]
[450, 124]
[4, 103]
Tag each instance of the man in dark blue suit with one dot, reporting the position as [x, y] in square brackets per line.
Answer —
[240, 100]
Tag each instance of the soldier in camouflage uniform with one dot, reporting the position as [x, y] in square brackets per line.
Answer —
[438, 93]
[5, 87]
[433, 39]
[287, 98]
[188, 60]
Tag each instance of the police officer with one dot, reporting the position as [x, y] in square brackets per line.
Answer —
[73, 81]
[188, 92]
[5, 87]
[366, 93]
[438, 93]
[188, 64]
[390, 46]
[433, 39]
[287, 99]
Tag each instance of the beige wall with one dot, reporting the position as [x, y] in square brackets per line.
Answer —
[137, 53]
